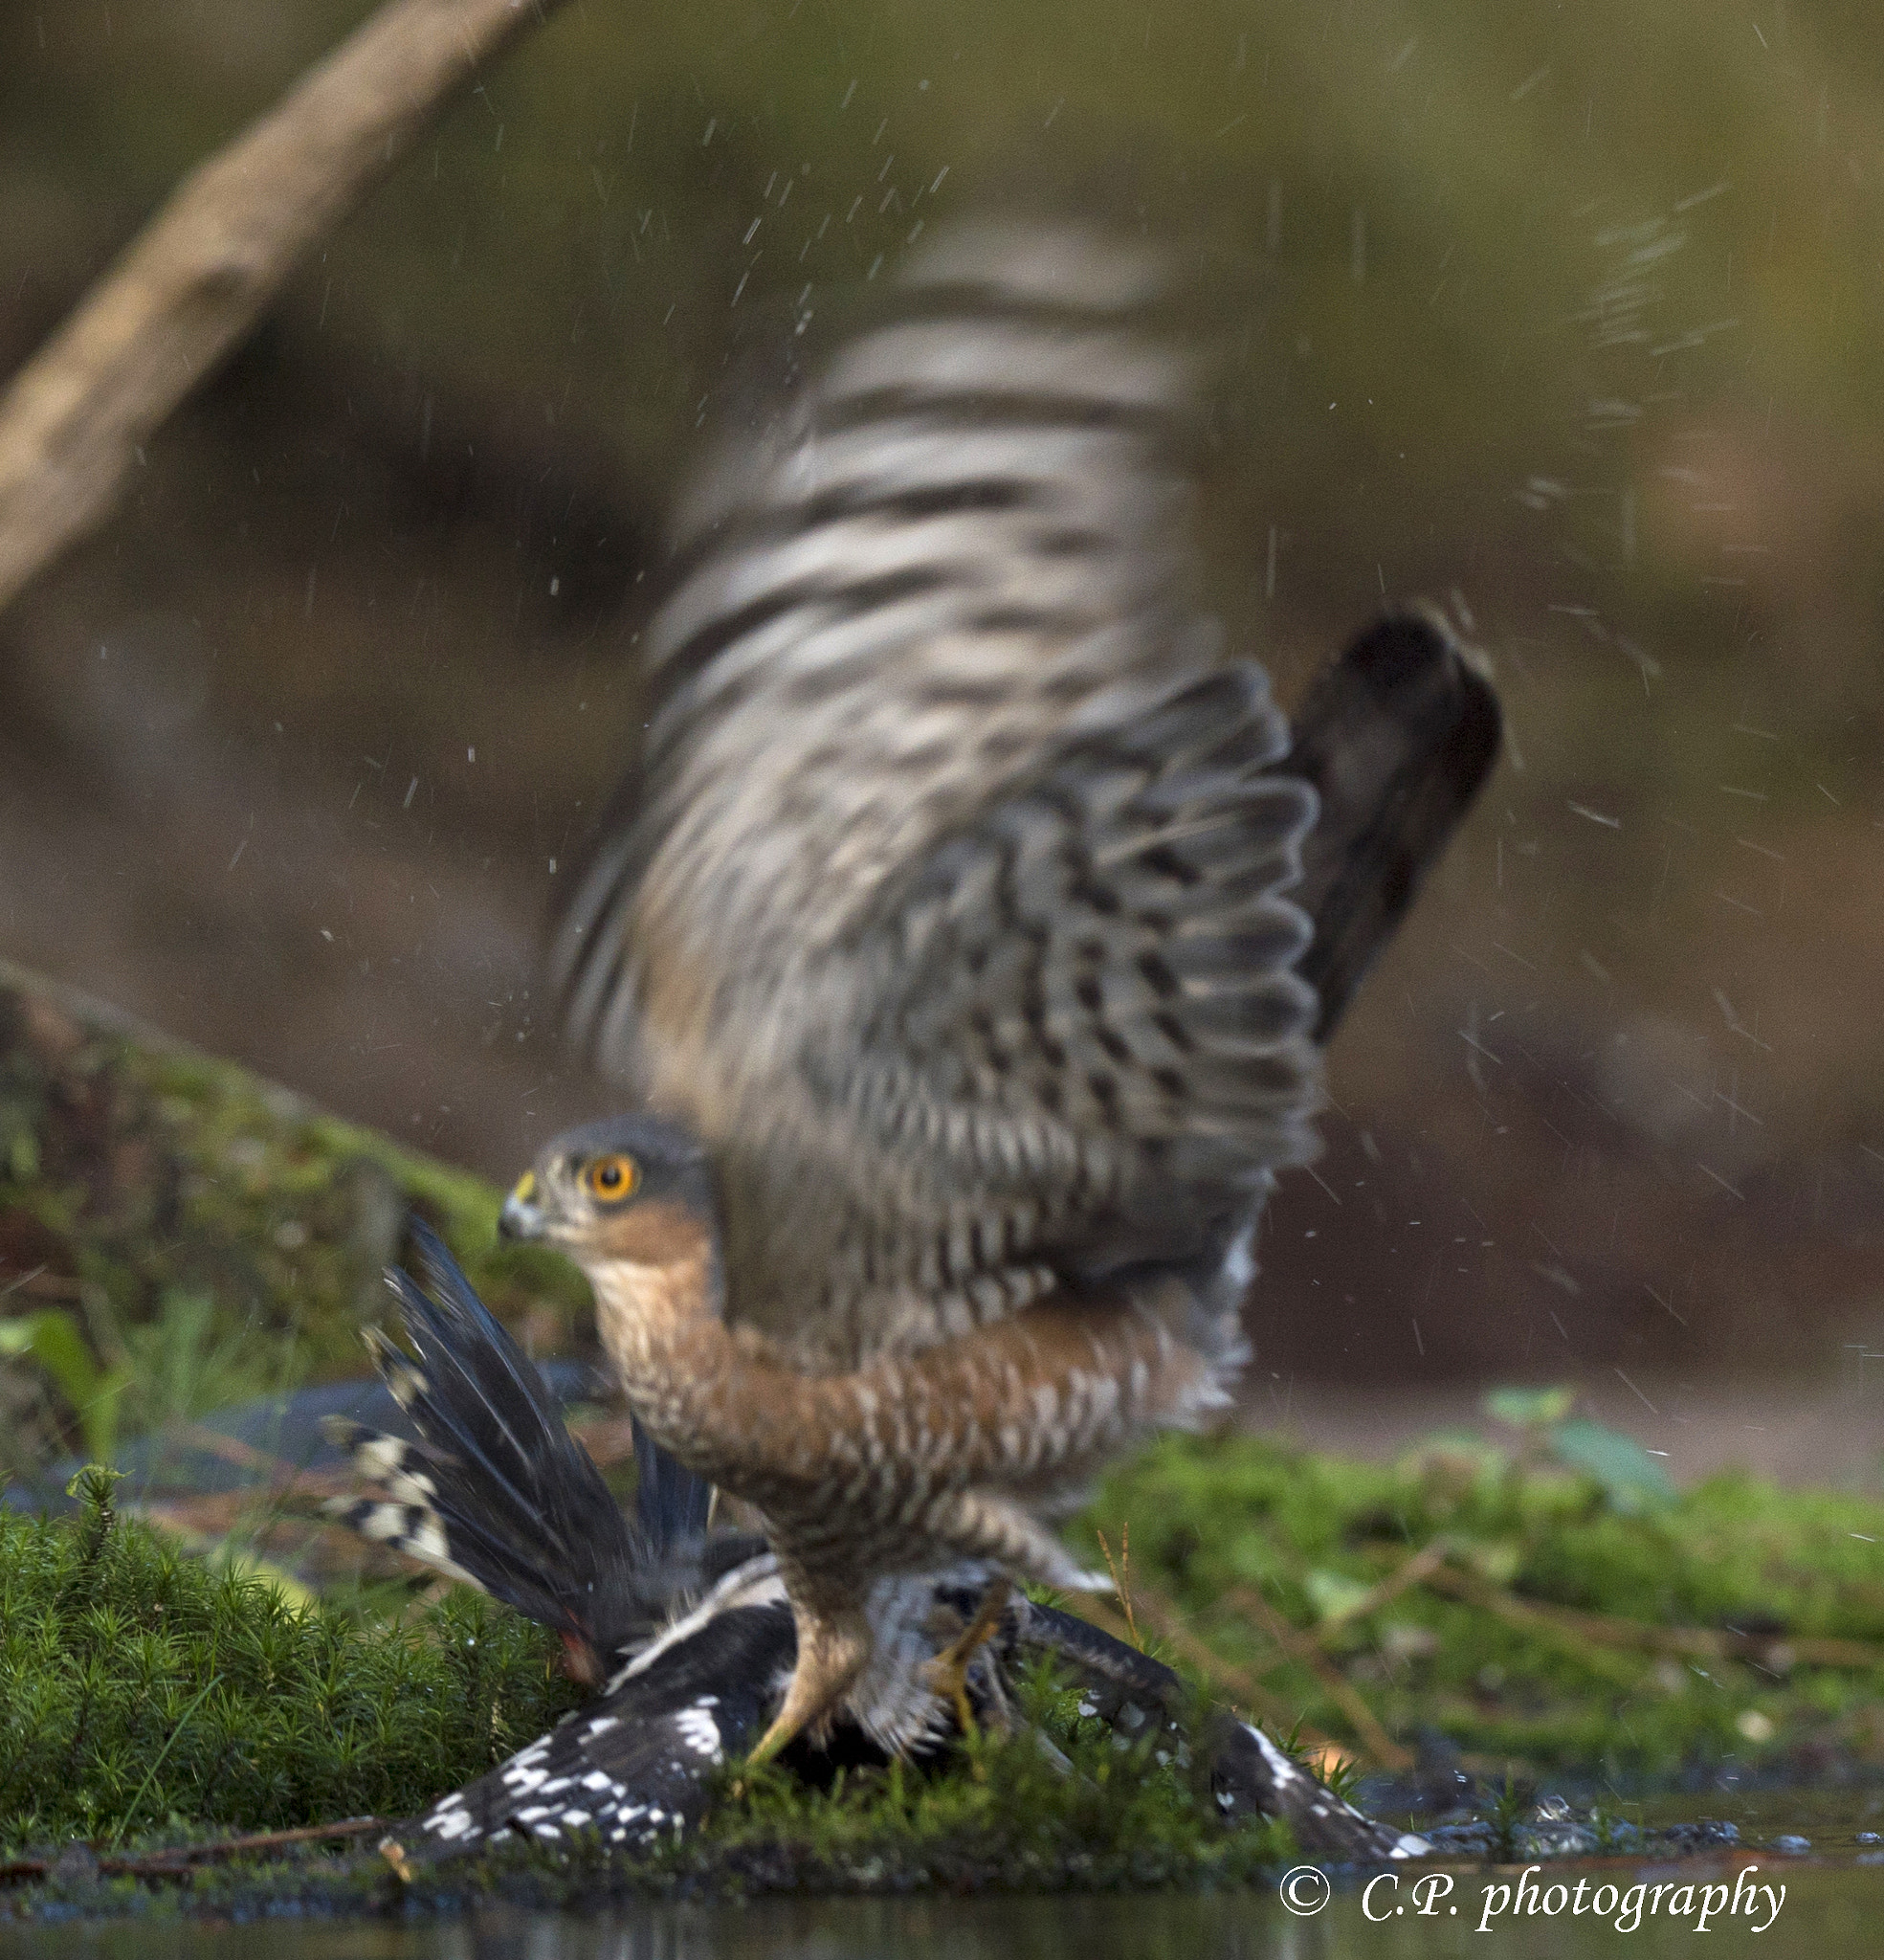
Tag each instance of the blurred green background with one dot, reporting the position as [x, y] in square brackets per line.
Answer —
[1571, 318]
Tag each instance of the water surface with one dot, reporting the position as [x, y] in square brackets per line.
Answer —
[1830, 1909]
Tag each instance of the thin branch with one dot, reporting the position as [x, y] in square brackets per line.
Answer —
[157, 1865]
[1368, 1728]
[1168, 1624]
[1295, 1643]
[1606, 1629]
[194, 281]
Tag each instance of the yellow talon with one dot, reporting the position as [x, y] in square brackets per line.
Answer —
[948, 1671]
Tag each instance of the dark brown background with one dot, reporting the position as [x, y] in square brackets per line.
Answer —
[1573, 313]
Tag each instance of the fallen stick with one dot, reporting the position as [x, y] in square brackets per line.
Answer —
[1298, 1643]
[1166, 1622]
[1346, 1697]
[196, 279]
[156, 1865]
[1706, 1643]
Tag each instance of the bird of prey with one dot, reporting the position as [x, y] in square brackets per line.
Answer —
[687, 1639]
[970, 936]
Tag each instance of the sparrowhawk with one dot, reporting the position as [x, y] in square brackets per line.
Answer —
[970, 934]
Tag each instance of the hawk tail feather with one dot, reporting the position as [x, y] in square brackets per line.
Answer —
[1396, 738]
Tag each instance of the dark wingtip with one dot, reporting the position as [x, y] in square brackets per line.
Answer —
[442, 1272]
[1414, 663]
[441, 1286]
[1398, 737]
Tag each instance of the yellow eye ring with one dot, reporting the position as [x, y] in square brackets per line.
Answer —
[611, 1178]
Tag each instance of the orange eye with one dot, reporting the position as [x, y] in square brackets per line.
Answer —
[612, 1178]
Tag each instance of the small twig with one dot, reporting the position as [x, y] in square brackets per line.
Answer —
[265, 1840]
[231, 1450]
[1365, 1724]
[157, 1865]
[1409, 1573]
[1705, 1643]
[1289, 1643]
[40, 1282]
[1122, 1578]
[1300, 1643]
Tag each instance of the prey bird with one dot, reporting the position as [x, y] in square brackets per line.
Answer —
[970, 935]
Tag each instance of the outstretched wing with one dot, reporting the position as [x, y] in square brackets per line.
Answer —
[1083, 1013]
[953, 913]
[954, 909]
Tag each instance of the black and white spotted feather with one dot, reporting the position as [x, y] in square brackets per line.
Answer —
[1250, 1775]
[700, 1643]
[634, 1766]
[495, 1492]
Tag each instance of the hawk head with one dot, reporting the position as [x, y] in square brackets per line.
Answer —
[628, 1189]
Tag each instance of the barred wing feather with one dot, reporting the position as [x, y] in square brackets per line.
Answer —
[952, 908]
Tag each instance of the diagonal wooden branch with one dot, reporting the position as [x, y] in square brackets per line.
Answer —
[193, 283]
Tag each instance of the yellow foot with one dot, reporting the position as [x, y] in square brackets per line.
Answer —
[831, 1651]
[772, 1741]
[775, 1738]
[948, 1671]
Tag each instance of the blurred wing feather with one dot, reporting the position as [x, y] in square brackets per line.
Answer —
[1085, 1024]
[952, 911]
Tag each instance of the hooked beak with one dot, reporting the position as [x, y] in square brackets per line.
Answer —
[523, 1216]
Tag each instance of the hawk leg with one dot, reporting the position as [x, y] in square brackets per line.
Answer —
[948, 1671]
[832, 1649]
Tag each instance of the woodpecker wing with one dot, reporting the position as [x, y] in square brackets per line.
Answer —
[633, 1767]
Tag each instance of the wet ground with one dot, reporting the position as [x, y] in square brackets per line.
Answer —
[1801, 1870]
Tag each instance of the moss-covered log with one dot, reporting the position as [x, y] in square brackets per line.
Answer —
[210, 1237]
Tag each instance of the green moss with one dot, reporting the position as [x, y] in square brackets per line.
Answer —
[140, 1687]
[150, 1695]
[1004, 1816]
[207, 1235]
[1215, 1522]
